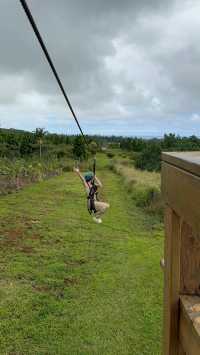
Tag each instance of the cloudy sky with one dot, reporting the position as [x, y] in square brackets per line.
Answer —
[129, 67]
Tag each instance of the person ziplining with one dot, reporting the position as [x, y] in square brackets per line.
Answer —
[91, 182]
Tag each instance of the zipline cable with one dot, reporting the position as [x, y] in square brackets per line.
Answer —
[39, 37]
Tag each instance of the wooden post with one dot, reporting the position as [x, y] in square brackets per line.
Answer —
[181, 193]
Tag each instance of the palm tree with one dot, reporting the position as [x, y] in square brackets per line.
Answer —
[40, 134]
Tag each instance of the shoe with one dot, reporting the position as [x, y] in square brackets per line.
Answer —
[97, 220]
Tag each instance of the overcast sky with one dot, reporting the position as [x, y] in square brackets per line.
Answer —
[129, 67]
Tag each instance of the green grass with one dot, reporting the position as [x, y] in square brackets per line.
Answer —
[139, 177]
[69, 286]
[143, 186]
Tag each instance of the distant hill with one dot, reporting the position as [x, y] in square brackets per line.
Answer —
[13, 130]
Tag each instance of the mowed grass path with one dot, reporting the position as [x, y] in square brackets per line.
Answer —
[69, 286]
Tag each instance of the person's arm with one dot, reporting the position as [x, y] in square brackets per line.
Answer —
[77, 171]
[98, 182]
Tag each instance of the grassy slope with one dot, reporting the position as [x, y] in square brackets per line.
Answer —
[139, 177]
[69, 286]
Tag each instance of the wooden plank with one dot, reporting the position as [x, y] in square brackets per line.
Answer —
[189, 331]
[172, 282]
[190, 305]
[189, 161]
[181, 351]
[167, 283]
[190, 261]
[181, 191]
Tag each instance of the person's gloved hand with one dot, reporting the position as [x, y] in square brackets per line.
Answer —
[76, 170]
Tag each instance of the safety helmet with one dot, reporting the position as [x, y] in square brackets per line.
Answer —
[88, 176]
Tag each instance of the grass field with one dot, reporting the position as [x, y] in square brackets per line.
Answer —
[69, 286]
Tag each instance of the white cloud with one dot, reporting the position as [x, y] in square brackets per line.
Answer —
[130, 62]
[195, 117]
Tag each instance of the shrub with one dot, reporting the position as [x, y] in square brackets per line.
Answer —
[143, 187]
[14, 174]
[79, 148]
[93, 147]
[149, 199]
[150, 158]
[110, 155]
[125, 162]
[144, 196]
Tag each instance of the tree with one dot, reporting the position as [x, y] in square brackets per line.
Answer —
[170, 141]
[150, 158]
[93, 147]
[40, 134]
[79, 148]
[26, 144]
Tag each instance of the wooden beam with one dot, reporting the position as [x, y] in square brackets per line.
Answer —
[188, 161]
[189, 332]
[181, 191]
[190, 261]
[172, 282]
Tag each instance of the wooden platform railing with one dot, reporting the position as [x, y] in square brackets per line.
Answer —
[181, 193]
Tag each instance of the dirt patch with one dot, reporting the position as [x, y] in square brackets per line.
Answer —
[41, 288]
[70, 281]
[13, 184]
[23, 229]
[13, 237]
[26, 249]
[56, 292]
[76, 262]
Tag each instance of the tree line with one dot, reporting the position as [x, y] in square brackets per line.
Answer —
[146, 152]
[17, 143]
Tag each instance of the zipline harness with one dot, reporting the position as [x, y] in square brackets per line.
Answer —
[93, 193]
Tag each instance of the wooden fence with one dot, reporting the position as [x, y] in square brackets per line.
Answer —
[181, 193]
